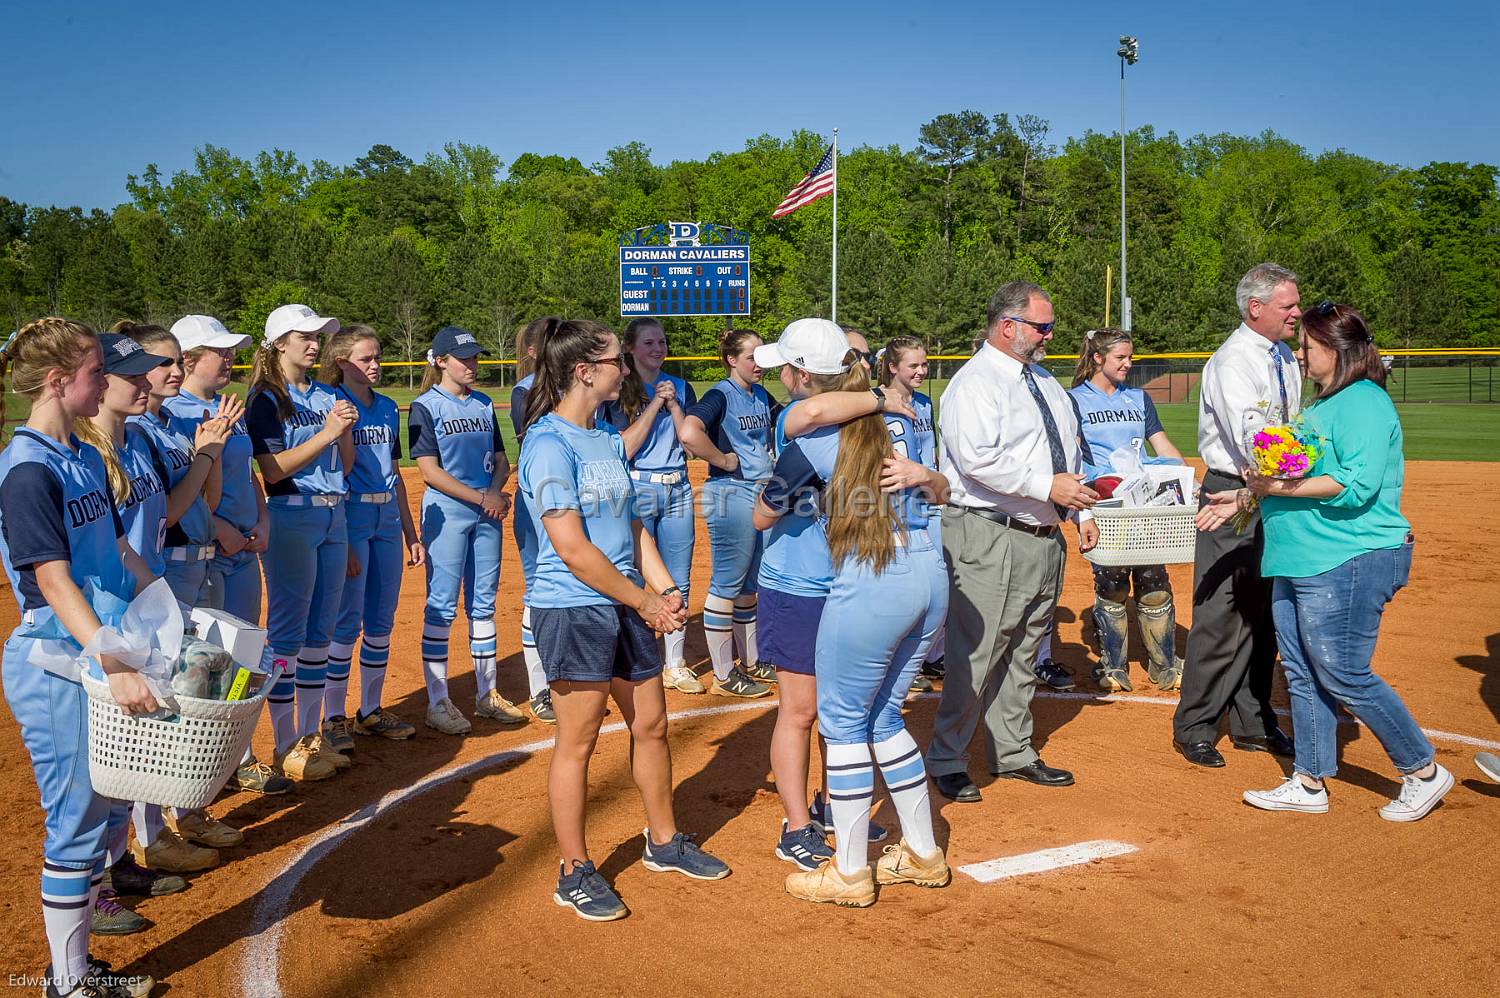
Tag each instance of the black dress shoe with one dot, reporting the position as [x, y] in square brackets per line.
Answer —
[1275, 742]
[958, 787]
[1199, 753]
[1039, 773]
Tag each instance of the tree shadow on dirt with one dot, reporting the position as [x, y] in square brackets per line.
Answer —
[1488, 667]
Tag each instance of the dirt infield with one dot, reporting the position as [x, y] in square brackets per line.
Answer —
[445, 889]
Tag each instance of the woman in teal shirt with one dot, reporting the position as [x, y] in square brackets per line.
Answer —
[1339, 550]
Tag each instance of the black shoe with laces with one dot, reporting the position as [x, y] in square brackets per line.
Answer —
[1054, 675]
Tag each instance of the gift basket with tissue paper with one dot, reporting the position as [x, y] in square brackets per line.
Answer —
[1145, 512]
[206, 673]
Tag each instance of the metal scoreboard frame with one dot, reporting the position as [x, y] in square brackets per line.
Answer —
[684, 268]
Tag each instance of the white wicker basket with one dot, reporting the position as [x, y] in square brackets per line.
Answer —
[1144, 535]
[182, 762]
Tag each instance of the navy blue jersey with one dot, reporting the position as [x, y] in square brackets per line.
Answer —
[55, 506]
[144, 513]
[518, 396]
[460, 431]
[795, 559]
[270, 434]
[377, 444]
[174, 455]
[739, 423]
[661, 451]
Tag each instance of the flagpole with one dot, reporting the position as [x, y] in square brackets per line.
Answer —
[835, 225]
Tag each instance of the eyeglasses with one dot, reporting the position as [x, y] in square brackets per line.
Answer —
[1042, 327]
[867, 356]
[617, 360]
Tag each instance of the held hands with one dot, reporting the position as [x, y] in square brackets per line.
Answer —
[1068, 490]
[666, 393]
[127, 687]
[665, 614]
[339, 418]
[258, 540]
[494, 504]
[417, 554]
[230, 540]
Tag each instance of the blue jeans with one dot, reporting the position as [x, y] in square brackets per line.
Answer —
[1326, 626]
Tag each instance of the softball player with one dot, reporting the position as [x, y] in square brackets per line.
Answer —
[592, 617]
[299, 433]
[525, 533]
[456, 442]
[377, 515]
[730, 428]
[651, 408]
[865, 661]
[1111, 416]
[60, 534]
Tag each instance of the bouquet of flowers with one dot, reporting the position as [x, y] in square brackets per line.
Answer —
[1277, 452]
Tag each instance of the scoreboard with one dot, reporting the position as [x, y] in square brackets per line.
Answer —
[684, 280]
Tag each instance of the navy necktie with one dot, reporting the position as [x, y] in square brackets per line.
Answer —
[1054, 439]
[1286, 409]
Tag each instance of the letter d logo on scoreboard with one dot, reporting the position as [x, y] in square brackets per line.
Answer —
[684, 233]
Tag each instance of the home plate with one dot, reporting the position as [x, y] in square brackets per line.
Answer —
[1045, 859]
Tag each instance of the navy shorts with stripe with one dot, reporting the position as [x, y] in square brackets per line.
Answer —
[594, 644]
[788, 630]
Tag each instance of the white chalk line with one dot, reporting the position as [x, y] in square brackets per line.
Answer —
[259, 966]
[1046, 859]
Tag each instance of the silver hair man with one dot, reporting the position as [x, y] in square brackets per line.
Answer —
[1259, 283]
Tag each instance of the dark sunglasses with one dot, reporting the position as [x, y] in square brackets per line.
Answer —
[868, 356]
[1041, 327]
[617, 360]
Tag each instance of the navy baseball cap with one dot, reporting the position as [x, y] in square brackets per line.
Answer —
[453, 341]
[125, 357]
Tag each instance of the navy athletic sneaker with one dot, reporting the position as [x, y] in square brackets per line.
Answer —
[682, 855]
[822, 819]
[803, 846]
[588, 894]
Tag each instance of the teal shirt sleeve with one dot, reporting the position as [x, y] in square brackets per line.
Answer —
[1358, 445]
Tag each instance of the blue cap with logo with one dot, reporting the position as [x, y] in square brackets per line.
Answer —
[453, 341]
[125, 357]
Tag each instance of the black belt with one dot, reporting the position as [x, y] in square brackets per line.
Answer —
[1009, 521]
[1227, 476]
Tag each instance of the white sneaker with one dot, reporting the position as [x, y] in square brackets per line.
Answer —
[1293, 795]
[681, 679]
[1418, 796]
[1489, 764]
[447, 718]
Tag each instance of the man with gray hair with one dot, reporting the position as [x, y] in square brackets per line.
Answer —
[1251, 380]
[1009, 440]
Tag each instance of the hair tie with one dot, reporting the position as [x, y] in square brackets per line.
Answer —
[9, 340]
[431, 359]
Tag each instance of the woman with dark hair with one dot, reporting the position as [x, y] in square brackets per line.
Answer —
[1339, 549]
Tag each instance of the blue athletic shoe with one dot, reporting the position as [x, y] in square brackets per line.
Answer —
[682, 855]
[588, 894]
[804, 847]
[822, 819]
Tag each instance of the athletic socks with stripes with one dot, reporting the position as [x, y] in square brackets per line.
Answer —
[851, 791]
[718, 631]
[482, 651]
[536, 676]
[374, 653]
[336, 681]
[435, 660]
[312, 668]
[281, 704]
[905, 776]
[67, 911]
[744, 627]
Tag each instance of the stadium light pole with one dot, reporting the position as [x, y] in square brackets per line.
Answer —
[1128, 52]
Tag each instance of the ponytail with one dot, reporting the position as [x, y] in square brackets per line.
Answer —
[572, 342]
[527, 338]
[862, 519]
[38, 347]
[1096, 342]
[732, 343]
[114, 471]
[266, 376]
[891, 355]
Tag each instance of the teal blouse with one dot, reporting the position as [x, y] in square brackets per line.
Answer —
[1360, 436]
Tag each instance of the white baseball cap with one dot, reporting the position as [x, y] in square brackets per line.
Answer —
[194, 331]
[299, 319]
[817, 346]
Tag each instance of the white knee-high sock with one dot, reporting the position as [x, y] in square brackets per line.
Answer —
[482, 651]
[435, 660]
[67, 912]
[675, 643]
[374, 654]
[536, 676]
[148, 823]
[336, 680]
[851, 791]
[718, 631]
[905, 776]
[312, 669]
[281, 705]
[744, 627]
[1044, 647]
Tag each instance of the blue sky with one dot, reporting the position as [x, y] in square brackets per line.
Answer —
[96, 91]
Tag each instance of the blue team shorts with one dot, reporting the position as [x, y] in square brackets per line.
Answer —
[787, 630]
[594, 644]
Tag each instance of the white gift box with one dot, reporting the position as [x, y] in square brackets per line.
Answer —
[1145, 489]
[243, 640]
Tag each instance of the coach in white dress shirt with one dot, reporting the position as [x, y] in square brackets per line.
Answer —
[1009, 449]
[1251, 379]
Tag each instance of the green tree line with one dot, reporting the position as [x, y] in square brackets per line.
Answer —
[926, 234]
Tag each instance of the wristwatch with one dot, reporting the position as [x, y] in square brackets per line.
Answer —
[879, 394]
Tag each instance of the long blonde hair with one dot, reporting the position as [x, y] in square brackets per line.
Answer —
[266, 376]
[891, 356]
[1100, 342]
[340, 345]
[53, 343]
[862, 519]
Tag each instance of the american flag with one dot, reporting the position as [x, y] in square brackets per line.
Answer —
[817, 184]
